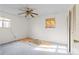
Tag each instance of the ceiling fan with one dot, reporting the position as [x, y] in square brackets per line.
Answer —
[28, 12]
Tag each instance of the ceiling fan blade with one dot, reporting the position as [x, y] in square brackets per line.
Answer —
[28, 8]
[31, 10]
[32, 15]
[35, 13]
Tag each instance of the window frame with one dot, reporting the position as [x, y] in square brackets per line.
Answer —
[4, 21]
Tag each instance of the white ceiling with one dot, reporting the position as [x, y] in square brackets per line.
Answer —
[42, 8]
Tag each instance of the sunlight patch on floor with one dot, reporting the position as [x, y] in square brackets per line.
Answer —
[48, 46]
[44, 49]
[52, 48]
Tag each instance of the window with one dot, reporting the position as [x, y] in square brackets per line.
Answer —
[4, 22]
[0, 23]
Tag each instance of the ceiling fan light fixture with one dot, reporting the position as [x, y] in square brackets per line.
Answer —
[28, 12]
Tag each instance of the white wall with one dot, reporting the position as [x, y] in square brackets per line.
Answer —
[58, 34]
[36, 28]
[18, 27]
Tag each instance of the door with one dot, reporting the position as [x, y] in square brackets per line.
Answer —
[72, 29]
